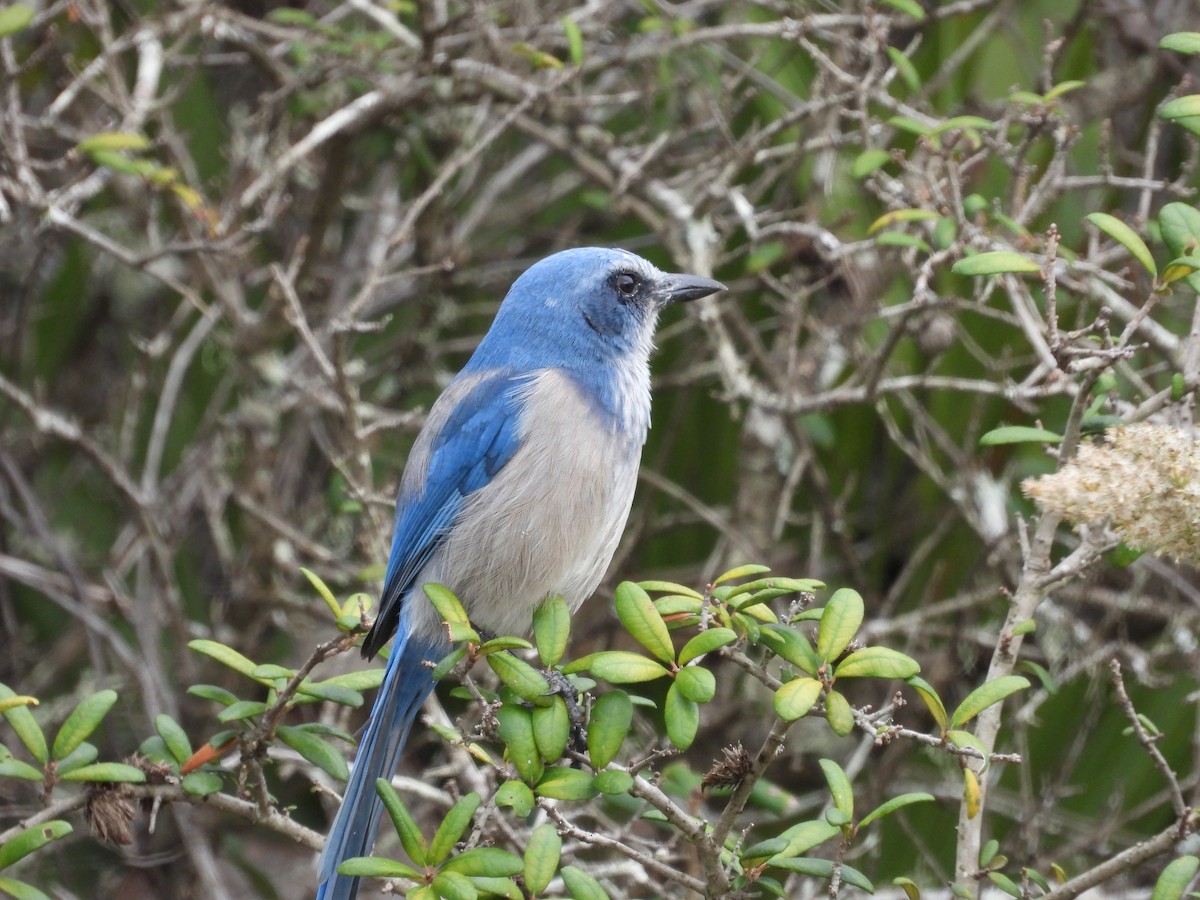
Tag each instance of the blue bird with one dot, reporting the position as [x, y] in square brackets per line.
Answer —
[517, 488]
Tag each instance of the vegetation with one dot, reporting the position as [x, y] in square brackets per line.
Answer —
[906, 595]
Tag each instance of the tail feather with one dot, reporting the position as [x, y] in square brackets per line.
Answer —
[406, 684]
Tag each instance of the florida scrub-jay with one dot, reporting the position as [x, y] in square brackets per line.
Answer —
[516, 490]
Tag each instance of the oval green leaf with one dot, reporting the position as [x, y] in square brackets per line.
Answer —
[1181, 42]
[201, 784]
[789, 644]
[637, 613]
[890, 806]
[453, 827]
[623, 667]
[681, 717]
[839, 786]
[927, 693]
[796, 698]
[82, 722]
[613, 781]
[542, 855]
[561, 783]
[551, 729]
[517, 796]
[581, 885]
[868, 161]
[21, 720]
[840, 621]
[987, 694]
[14, 18]
[316, 750]
[1126, 237]
[706, 642]
[174, 737]
[1181, 108]
[899, 217]
[839, 714]
[106, 772]
[994, 262]
[227, 656]
[521, 678]
[33, 838]
[877, 662]
[551, 629]
[406, 826]
[516, 730]
[612, 715]
[1175, 878]
[697, 684]
[377, 867]
[485, 862]
[1019, 434]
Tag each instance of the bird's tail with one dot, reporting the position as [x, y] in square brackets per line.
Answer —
[406, 684]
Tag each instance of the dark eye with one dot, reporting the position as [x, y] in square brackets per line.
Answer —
[626, 284]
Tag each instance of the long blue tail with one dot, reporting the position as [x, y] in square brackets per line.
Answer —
[405, 686]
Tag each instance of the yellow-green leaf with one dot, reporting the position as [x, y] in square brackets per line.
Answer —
[542, 853]
[994, 262]
[900, 216]
[840, 621]
[796, 698]
[987, 694]
[637, 613]
[13, 18]
[1126, 237]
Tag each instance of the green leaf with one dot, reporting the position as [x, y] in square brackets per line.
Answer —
[201, 784]
[1181, 42]
[551, 729]
[551, 630]
[406, 827]
[706, 642]
[740, 572]
[960, 738]
[670, 587]
[902, 239]
[911, 891]
[212, 692]
[316, 750]
[1006, 884]
[13, 18]
[1181, 108]
[1126, 237]
[227, 656]
[620, 667]
[83, 755]
[446, 604]
[681, 717]
[839, 786]
[523, 679]
[877, 662]
[581, 885]
[377, 867]
[1019, 434]
[611, 717]
[574, 48]
[516, 730]
[927, 693]
[243, 709]
[867, 162]
[910, 8]
[796, 698]
[16, 768]
[20, 890]
[15, 701]
[994, 262]
[799, 838]
[823, 868]
[890, 806]
[643, 622]
[485, 862]
[453, 827]
[1180, 267]
[839, 714]
[789, 644]
[323, 591]
[104, 772]
[697, 684]
[1175, 878]
[840, 621]
[1064, 87]
[33, 838]
[908, 72]
[899, 217]
[613, 781]
[174, 737]
[561, 783]
[21, 721]
[517, 796]
[82, 721]
[542, 854]
[309, 691]
[987, 694]
[912, 126]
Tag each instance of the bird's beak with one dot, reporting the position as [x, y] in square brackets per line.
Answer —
[682, 288]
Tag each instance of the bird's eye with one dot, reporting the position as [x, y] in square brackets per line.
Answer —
[626, 284]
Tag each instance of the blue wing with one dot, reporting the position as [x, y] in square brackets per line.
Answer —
[479, 436]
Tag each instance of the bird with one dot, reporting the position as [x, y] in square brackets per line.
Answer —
[516, 490]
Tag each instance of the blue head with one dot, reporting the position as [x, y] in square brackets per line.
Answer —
[585, 310]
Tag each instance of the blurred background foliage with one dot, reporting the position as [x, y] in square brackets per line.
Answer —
[243, 246]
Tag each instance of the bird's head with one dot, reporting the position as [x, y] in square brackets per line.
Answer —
[585, 306]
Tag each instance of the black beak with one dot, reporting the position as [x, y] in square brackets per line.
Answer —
[682, 288]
